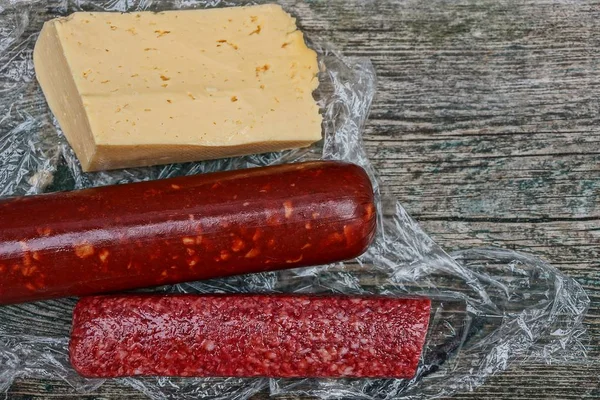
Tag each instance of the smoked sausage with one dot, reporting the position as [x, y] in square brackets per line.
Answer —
[289, 336]
[182, 229]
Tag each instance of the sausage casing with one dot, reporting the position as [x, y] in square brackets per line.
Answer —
[183, 229]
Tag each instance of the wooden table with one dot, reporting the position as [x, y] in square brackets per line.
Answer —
[486, 126]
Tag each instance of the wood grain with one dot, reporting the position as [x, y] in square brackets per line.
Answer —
[486, 126]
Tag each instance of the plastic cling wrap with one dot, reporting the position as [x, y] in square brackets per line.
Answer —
[491, 308]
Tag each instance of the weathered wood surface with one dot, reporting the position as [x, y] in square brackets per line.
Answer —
[486, 125]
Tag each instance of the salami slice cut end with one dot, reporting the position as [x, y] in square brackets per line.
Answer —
[290, 336]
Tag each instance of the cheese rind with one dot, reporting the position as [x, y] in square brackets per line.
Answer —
[154, 88]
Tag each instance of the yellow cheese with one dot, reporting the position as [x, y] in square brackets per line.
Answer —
[154, 88]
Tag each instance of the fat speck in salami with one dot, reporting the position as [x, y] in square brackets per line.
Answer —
[183, 229]
[248, 336]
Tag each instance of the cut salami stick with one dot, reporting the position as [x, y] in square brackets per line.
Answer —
[248, 336]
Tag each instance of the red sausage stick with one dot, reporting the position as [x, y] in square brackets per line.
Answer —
[248, 335]
[183, 229]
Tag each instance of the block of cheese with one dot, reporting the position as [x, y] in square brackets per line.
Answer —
[151, 88]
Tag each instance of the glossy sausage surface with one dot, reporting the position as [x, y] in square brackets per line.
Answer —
[183, 229]
[248, 335]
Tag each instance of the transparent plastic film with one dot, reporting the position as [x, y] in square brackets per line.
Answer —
[491, 308]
